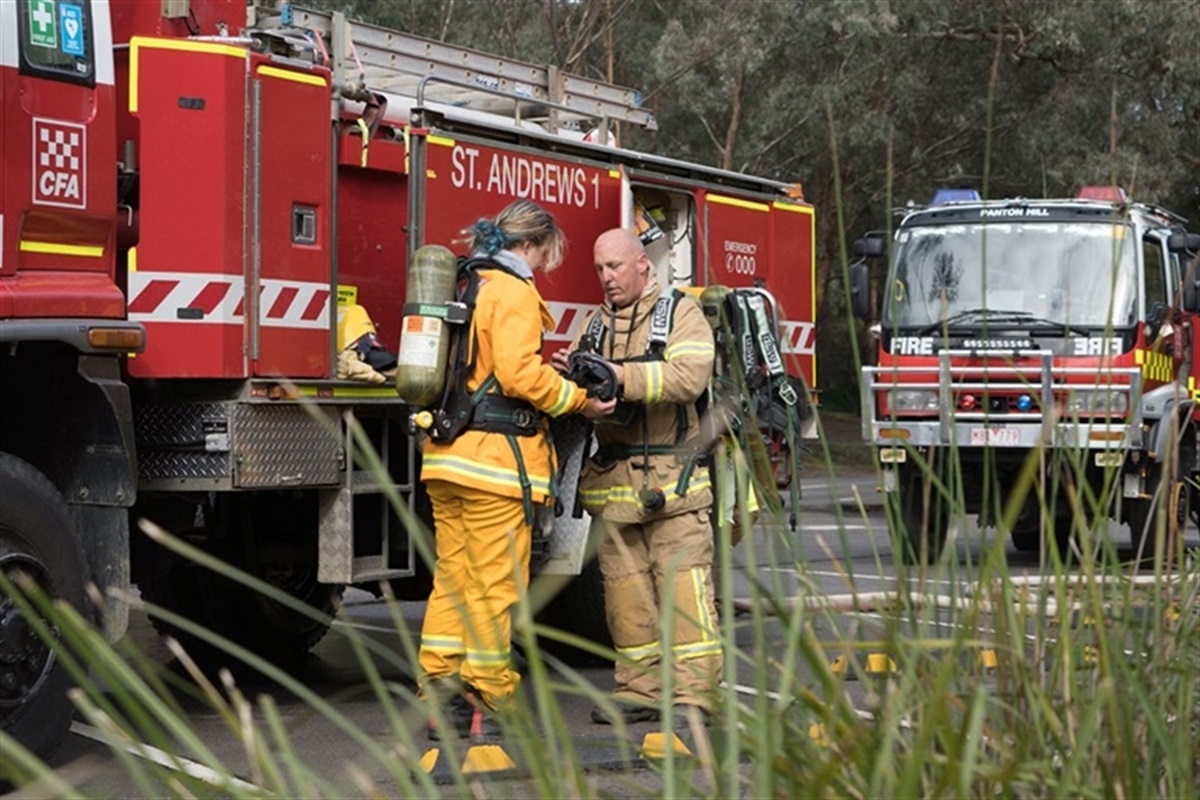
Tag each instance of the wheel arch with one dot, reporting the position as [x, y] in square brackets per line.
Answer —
[69, 415]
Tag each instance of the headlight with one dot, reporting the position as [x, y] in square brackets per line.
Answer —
[1097, 401]
[913, 400]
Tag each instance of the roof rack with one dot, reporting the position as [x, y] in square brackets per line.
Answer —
[401, 63]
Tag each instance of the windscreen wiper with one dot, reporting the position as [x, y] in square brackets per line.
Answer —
[972, 314]
[1026, 318]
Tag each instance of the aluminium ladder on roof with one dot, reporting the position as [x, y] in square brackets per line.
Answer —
[405, 64]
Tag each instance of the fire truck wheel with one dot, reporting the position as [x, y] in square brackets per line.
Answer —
[36, 540]
[1142, 513]
[1029, 539]
[263, 624]
[175, 590]
[579, 609]
[924, 517]
[240, 614]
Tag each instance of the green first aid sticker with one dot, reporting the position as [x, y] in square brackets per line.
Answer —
[43, 28]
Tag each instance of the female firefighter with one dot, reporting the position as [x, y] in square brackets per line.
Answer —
[486, 483]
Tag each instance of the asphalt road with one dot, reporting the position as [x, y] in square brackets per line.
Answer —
[841, 542]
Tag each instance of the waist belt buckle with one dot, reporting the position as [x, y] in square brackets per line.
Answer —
[524, 418]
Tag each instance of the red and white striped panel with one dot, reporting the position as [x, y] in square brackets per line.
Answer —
[197, 298]
[568, 319]
[798, 338]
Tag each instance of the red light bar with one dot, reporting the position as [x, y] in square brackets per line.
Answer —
[1109, 194]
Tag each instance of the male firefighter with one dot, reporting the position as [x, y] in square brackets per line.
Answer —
[647, 489]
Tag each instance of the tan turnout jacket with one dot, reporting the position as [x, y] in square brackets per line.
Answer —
[666, 388]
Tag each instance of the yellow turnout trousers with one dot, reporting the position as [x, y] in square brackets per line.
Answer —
[650, 570]
[483, 545]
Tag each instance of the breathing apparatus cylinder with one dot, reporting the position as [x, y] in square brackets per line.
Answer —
[424, 337]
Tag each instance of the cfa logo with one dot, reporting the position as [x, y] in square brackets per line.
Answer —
[59, 163]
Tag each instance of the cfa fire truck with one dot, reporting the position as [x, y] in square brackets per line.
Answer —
[1036, 366]
[194, 193]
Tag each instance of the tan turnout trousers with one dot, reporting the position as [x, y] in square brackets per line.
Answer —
[659, 574]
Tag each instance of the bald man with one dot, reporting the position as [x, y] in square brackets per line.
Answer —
[648, 490]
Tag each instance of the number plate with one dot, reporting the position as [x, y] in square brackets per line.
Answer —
[995, 436]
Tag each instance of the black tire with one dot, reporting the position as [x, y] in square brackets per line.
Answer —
[579, 609]
[924, 517]
[233, 610]
[1142, 513]
[266, 626]
[1028, 539]
[37, 539]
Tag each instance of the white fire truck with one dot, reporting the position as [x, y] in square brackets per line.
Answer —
[195, 193]
[1034, 355]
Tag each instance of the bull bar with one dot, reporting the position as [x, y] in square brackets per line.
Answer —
[1022, 429]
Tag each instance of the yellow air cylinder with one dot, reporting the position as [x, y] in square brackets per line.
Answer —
[424, 337]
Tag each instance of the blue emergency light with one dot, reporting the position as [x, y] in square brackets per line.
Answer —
[955, 196]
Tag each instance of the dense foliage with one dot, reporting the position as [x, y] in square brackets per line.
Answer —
[871, 103]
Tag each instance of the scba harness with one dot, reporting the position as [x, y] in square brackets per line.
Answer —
[627, 414]
[485, 408]
[750, 375]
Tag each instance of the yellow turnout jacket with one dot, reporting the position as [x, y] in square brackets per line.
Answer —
[507, 326]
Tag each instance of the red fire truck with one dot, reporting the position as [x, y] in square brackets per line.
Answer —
[1033, 356]
[194, 192]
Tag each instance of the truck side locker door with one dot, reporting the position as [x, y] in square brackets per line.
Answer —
[738, 238]
[290, 218]
[8, 97]
[793, 281]
[664, 215]
[59, 180]
[187, 274]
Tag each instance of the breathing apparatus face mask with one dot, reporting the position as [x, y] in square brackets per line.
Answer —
[593, 373]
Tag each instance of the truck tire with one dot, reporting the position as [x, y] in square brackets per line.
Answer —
[924, 517]
[227, 607]
[1027, 538]
[579, 609]
[266, 626]
[37, 539]
[1142, 513]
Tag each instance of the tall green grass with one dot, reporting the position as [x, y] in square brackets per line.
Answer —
[1094, 691]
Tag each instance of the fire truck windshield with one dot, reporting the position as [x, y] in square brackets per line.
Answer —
[1078, 275]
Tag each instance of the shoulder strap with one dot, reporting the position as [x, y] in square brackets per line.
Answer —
[661, 318]
[593, 338]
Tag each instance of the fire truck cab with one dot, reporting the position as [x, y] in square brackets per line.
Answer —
[204, 204]
[1036, 366]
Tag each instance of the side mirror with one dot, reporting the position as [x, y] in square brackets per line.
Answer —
[1191, 285]
[868, 247]
[1183, 242]
[860, 290]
